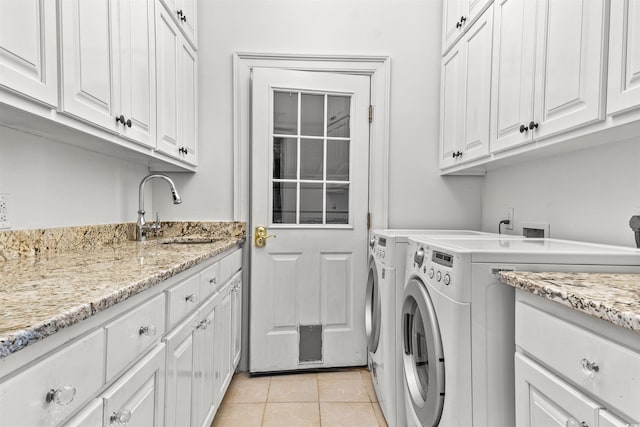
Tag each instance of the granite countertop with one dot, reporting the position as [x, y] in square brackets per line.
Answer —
[41, 294]
[608, 296]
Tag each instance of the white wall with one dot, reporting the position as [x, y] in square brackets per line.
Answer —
[586, 195]
[406, 30]
[55, 185]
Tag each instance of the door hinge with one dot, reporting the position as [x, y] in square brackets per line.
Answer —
[368, 220]
[370, 113]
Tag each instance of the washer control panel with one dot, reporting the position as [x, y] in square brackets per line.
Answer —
[378, 247]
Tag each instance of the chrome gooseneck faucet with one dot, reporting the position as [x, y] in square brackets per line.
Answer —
[141, 226]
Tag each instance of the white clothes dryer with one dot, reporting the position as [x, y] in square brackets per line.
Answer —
[385, 283]
[458, 321]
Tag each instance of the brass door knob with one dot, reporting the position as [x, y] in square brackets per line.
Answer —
[261, 236]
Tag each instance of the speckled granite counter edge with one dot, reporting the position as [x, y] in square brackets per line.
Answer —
[625, 319]
[16, 341]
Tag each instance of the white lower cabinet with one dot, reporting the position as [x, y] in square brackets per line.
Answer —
[572, 370]
[137, 399]
[130, 368]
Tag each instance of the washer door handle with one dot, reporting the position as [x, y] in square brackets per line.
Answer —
[408, 320]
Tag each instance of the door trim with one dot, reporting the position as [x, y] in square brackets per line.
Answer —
[378, 68]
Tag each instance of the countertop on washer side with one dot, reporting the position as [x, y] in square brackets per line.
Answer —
[609, 296]
[41, 295]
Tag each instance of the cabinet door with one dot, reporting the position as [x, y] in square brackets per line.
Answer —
[188, 102]
[570, 65]
[91, 415]
[189, 20]
[476, 95]
[180, 373]
[89, 80]
[451, 104]
[623, 92]
[222, 337]
[607, 419]
[512, 72]
[136, 53]
[167, 43]
[542, 399]
[236, 307]
[137, 399]
[452, 27]
[28, 48]
[207, 351]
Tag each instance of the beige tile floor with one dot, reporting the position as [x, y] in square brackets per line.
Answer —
[328, 399]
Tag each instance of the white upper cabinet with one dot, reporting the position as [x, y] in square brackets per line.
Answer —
[465, 95]
[135, 51]
[28, 49]
[184, 13]
[89, 80]
[624, 57]
[457, 17]
[570, 65]
[513, 71]
[177, 90]
[548, 77]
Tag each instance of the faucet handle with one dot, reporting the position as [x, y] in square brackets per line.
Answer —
[158, 217]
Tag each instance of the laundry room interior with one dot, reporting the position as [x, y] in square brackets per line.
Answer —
[320, 213]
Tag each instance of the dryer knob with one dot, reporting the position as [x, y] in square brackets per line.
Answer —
[438, 276]
[431, 273]
[418, 257]
[372, 242]
[447, 279]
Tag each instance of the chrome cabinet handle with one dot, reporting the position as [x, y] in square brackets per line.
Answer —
[589, 367]
[191, 298]
[121, 417]
[148, 330]
[61, 396]
[213, 281]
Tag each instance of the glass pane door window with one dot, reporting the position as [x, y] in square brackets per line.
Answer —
[311, 158]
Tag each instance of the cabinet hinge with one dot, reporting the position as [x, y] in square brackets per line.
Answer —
[368, 220]
[370, 113]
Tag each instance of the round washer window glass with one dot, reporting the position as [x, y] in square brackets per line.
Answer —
[420, 352]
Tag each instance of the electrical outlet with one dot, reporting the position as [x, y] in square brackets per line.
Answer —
[508, 214]
[4, 211]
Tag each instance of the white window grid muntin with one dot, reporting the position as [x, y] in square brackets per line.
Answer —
[298, 137]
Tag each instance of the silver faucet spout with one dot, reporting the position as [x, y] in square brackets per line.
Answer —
[141, 225]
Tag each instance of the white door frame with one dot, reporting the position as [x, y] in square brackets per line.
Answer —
[378, 68]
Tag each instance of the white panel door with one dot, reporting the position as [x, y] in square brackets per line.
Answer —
[570, 65]
[477, 88]
[28, 48]
[167, 54]
[88, 66]
[512, 73]
[309, 188]
[623, 92]
[135, 49]
[451, 105]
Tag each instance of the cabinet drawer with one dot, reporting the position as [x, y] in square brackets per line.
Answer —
[130, 335]
[210, 280]
[183, 299]
[79, 367]
[230, 264]
[91, 415]
[569, 349]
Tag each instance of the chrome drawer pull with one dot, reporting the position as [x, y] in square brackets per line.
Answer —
[191, 298]
[589, 367]
[121, 417]
[213, 281]
[148, 330]
[61, 396]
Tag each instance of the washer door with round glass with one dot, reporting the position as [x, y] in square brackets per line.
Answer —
[372, 308]
[423, 358]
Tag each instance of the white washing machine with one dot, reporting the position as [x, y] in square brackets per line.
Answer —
[458, 321]
[385, 283]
